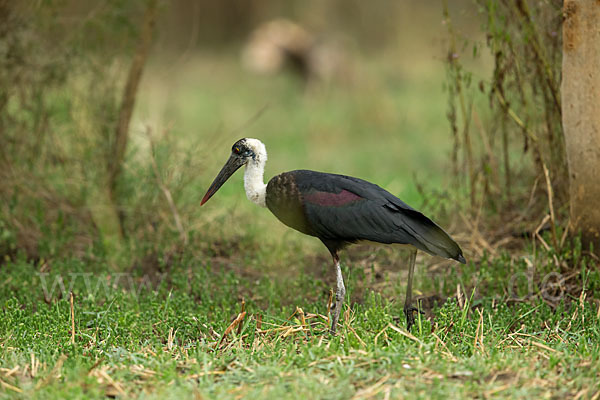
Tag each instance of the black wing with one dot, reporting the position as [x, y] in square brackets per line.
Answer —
[340, 208]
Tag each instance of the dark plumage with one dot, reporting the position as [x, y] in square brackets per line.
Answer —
[341, 210]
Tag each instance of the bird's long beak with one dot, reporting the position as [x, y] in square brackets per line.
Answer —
[232, 165]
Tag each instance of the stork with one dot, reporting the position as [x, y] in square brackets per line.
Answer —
[339, 210]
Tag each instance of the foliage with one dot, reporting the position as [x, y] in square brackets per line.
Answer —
[522, 115]
[61, 79]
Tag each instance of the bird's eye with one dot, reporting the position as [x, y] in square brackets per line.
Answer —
[236, 150]
[247, 153]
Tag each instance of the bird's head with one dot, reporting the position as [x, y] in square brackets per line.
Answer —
[243, 152]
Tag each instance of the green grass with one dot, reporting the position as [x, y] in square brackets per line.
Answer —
[160, 334]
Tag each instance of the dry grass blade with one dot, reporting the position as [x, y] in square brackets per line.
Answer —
[542, 346]
[235, 322]
[55, 373]
[239, 329]
[293, 315]
[170, 338]
[292, 330]
[114, 384]
[10, 387]
[35, 363]
[93, 367]
[405, 333]
[72, 319]
[551, 206]
[491, 393]
[363, 344]
[580, 394]
[479, 333]
[259, 322]
[371, 390]
[142, 371]
[582, 297]
[536, 232]
[302, 318]
[9, 372]
[201, 374]
[382, 332]
[460, 297]
[447, 352]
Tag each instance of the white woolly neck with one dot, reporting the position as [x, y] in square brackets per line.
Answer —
[256, 189]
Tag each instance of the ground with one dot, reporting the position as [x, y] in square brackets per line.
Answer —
[183, 332]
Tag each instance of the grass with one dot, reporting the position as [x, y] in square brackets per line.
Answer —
[163, 335]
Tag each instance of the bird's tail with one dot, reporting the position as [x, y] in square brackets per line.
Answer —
[429, 237]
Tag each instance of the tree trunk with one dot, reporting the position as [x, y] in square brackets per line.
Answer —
[117, 157]
[581, 115]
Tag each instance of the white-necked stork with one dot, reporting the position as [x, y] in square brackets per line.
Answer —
[339, 210]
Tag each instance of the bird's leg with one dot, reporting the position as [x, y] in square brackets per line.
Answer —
[340, 292]
[408, 308]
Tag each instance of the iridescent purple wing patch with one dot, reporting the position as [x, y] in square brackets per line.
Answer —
[332, 199]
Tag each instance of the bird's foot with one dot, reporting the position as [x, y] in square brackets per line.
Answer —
[334, 324]
[335, 311]
[409, 311]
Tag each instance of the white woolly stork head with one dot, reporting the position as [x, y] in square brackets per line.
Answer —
[253, 154]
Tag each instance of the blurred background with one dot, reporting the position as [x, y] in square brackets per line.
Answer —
[116, 116]
[360, 89]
